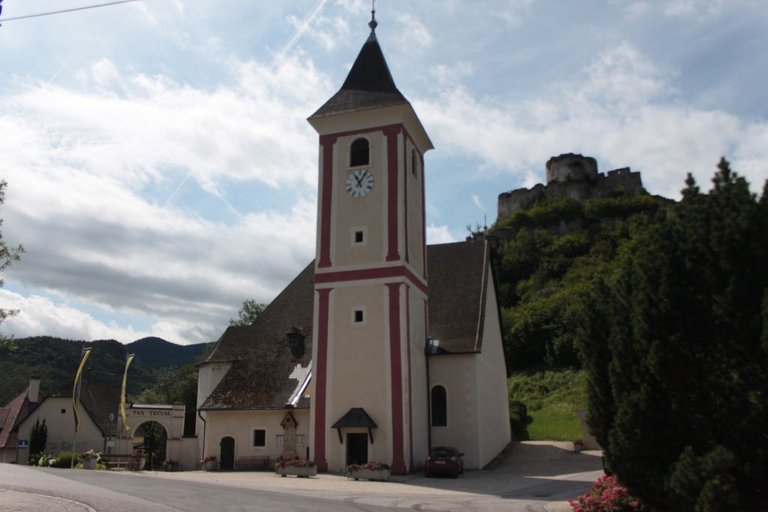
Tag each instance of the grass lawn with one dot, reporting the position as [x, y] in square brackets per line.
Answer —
[552, 398]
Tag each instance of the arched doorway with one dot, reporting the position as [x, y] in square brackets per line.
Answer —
[227, 453]
[150, 441]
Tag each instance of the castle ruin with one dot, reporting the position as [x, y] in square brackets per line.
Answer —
[574, 176]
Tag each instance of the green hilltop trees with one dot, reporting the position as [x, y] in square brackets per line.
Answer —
[7, 256]
[675, 343]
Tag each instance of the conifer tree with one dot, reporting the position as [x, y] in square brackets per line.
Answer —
[679, 371]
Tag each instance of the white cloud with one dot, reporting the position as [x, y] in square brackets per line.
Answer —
[623, 111]
[513, 11]
[439, 235]
[694, 8]
[39, 316]
[413, 34]
[78, 194]
[477, 202]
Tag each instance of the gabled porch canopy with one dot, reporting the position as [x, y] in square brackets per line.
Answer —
[356, 417]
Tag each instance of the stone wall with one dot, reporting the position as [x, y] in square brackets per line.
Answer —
[573, 176]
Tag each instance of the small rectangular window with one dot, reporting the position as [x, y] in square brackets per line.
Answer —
[359, 237]
[358, 316]
[63, 411]
[280, 440]
[259, 438]
[300, 440]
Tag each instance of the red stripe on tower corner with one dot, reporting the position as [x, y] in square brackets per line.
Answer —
[398, 461]
[326, 180]
[321, 377]
[392, 133]
[410, 376]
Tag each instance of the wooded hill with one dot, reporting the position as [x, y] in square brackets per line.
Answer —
[54, 361]
[544, 255]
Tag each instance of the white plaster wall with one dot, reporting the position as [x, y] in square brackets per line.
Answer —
[358, 367]
[419, 406]
[491, 388]
[351, 213]
[209, 376]
[456, 373]
[240, 426]
[61, 427]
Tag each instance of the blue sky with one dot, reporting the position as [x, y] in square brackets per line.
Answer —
[161, 170]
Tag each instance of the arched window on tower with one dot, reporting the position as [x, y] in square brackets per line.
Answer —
[359, 153]
[439, 407]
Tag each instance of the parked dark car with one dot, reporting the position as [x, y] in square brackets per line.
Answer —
[444, 460]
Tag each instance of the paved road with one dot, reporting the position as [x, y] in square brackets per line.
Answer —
[532, 477]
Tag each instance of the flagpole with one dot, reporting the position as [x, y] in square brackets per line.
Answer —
[84, 353]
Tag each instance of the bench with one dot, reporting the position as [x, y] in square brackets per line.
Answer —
[119, 460]
[254, 463]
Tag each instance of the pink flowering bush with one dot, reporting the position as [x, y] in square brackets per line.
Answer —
[607, 495]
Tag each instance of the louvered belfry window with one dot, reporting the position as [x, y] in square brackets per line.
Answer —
[359, 153]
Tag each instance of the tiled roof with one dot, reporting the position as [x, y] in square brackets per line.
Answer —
[12, 414]
[457, 279]
[100, 401]
[369, 84]
[264, 374]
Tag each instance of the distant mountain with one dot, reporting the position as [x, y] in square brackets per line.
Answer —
[155, 352]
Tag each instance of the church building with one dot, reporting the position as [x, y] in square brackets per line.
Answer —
[382, 347]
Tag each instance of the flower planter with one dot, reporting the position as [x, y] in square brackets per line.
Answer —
[298, 471]
[381, 475]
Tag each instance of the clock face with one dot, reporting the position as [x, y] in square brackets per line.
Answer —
[359, 183]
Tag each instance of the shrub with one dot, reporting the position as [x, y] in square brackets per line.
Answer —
[519, 420]
[64, 460]
[607, 495]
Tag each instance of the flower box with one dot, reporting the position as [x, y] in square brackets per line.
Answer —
[298, 471]
[364, 473]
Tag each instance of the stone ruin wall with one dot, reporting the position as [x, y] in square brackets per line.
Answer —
[574, 176]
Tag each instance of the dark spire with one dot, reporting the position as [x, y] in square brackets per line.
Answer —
[369, 83]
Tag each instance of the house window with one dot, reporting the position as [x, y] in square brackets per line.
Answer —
[359, 153]
[414, 163]
[359, 237]
[280, 439]
[300, 440]
[259, 438]
[439, 407]
[359, 317]
[63, 411]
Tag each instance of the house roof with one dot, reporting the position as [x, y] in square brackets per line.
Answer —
[100, 401]
[369, 84]
[13, 413]
[264, 374]
[458, 274]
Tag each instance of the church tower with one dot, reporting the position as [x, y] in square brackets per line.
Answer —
[369, 396]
